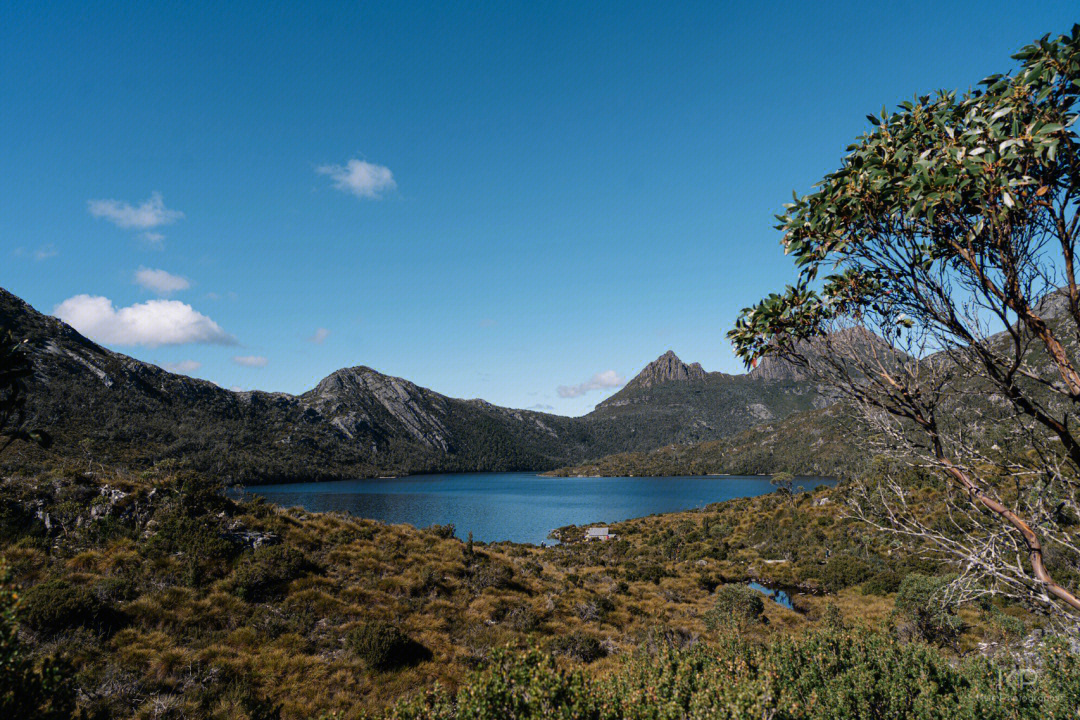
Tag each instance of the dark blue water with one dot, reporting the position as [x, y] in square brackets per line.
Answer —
[521, 507]
[781, 597]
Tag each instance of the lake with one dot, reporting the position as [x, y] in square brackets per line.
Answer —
[516, 506]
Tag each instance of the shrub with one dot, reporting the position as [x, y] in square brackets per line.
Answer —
[16, 519]
[383, 647]
[709, 583]
[736, 606]
[833, 618]
[521, 618]
[719, 532]
[579, 646]
[1002, 625]
[29, 690]
[199, 540]
[646, 573]
[885, 582]
[428, 581]
[595, 610]
[843, 571]
[262, 572]
[57, 605]
[442, 531]
[516, 616]
[846, 673]
[930, 616]
[525, 686]
[837, 673]
[485, 573]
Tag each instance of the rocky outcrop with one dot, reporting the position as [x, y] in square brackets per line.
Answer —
[667, 368]
[345, 396]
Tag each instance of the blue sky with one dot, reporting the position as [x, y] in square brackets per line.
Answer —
[493, 200]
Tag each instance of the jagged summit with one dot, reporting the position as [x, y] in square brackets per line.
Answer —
[666, 368]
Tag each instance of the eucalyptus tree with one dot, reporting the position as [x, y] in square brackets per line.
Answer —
[937, 292]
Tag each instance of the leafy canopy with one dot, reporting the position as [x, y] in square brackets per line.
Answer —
[946, 184]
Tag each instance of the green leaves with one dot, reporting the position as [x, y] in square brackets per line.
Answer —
[954, 173]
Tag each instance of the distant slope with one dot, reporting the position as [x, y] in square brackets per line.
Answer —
[821, 442]
[357, 422]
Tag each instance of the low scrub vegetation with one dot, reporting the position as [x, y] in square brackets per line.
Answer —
[737, 606]
[158, 596]
[383, 647]
[819, 675]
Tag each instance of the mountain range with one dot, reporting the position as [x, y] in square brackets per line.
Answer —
[358, 422]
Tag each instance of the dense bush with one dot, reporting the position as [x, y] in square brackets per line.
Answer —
[57, 605]
[383, 647]
[521, 686]
[428, 581]
[646, 573]
[595, 610]
[518, 617]
[442, 531]
[882, 583]
[1003, 627]
[817, 676]
[262, 573]
[28, 689]
[483, 572]
[736, 606]
[199, 541]
[583, 647]
[929, 616]
[843, 571]
[16, 519]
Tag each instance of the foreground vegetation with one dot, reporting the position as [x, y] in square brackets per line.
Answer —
[835, 673]
[165, 598]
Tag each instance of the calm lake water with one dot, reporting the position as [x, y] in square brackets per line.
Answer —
[521, 507]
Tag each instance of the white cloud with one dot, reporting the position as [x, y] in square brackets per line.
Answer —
[42, 253]
[541, 407]
[45, 252]
[362, 179]
[184, 366]
[251, 361]
[154, 241]
[151, 214]
[152, 323]
[160, 281]
[599, 381]
[319, 336]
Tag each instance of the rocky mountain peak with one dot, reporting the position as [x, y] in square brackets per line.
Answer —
[667, 368]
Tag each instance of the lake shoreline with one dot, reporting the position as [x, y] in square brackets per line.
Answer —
[515, 507]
